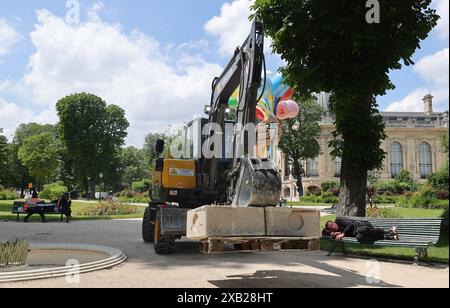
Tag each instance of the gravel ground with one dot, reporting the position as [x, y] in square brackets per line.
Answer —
[186, 268]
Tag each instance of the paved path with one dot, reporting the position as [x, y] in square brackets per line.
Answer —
[188, 269]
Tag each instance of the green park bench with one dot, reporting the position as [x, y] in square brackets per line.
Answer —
[49, 209]
[417, 233]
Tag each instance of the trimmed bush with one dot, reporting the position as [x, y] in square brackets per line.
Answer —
[53, 191]
[141, 186]
[327, 198]
[8, 195]
[108, 209]
[314, 191]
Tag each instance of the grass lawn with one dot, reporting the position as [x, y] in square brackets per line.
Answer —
[6, 206]
[438, 253]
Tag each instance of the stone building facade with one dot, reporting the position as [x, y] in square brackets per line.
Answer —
[414, 143]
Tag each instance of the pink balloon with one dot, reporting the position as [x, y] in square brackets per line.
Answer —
[287, 110]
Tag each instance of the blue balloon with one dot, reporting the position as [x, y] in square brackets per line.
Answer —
[278, 87]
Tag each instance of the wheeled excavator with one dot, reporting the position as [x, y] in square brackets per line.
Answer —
[233, 175]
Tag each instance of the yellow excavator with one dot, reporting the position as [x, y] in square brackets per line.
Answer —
[232, 176]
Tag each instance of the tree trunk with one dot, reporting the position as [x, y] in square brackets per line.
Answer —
[297, 174]
[92, 189]
[352, 197]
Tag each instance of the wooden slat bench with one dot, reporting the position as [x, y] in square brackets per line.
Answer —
[49, 209]
[417, 233]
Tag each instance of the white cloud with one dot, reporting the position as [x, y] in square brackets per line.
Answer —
[433, 69]
[12, 114]
[130, 70]
[8, 36]
[231, 26]
[443, 24]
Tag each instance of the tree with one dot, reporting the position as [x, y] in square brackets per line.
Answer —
[133, 164]
[299, 138]
[21, 174]
[330, 46]
[92, 134]
[40, 155]
[4, 159]
[149, 147]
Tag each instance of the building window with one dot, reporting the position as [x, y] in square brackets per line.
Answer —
[396, 159]
[312, 168]
[287, 193]
[287, 169]
[425, 160]
[337, 166]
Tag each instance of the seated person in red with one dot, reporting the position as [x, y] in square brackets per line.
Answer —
[32, 207]
[363, 231]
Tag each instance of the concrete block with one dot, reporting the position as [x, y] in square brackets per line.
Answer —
[219, 221]
[292, 222]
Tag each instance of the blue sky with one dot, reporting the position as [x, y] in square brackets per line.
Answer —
[154, 58]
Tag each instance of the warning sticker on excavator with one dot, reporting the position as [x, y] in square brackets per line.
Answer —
[181, 172]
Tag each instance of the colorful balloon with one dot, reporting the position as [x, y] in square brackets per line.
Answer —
[261, 114]
[288, 95]
[267, 90]
[233, 103]
[287, 110]
[278, 87]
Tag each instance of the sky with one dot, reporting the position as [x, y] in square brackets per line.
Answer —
[156, 59]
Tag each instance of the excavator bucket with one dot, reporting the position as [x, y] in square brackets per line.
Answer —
[259, 183]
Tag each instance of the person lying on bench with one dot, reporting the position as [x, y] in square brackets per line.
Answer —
[32, 207]
[363, 231]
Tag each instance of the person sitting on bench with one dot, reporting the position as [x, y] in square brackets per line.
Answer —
[64, 206]
[32, 207]
[363, 231]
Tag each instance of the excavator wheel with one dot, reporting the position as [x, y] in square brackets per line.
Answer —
[148, 228]
[164, 244]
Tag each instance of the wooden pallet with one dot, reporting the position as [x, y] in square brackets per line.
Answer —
[215, 245]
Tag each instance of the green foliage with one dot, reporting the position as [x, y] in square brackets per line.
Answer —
[402, 184]
[426, 198]
[439, 180]
[329, 185]
[382, 213]
[92, 134]
[328, 198]
[39, 154]
[329, 46]
[20, 174]
[107, 209]
[405, 177]
[7, 195]
[4, 158]
[134, 165]
[53, 191]
[386, 199]
[133, 196]
[314, 191]
[141, 186]
[299, 137]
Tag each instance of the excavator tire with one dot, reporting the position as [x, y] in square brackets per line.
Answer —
[164, 244]
[148, 228]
